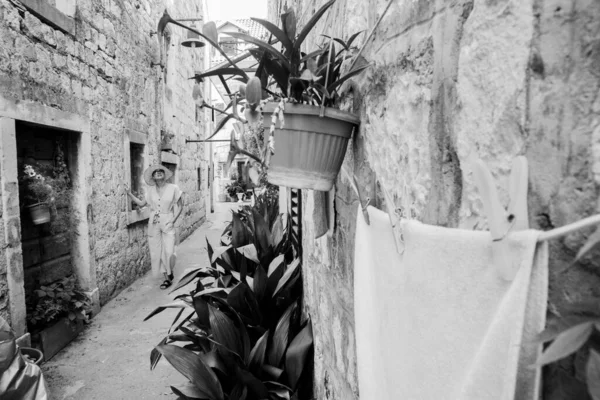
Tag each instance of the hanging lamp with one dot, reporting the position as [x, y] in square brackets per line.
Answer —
[193, 39]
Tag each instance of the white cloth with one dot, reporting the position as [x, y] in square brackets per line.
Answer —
[438, 322]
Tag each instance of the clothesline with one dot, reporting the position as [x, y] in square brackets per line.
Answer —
[565, 230]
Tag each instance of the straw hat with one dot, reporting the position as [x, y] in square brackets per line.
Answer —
[152, 169]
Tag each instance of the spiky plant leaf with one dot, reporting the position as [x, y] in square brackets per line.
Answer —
[295, 357]
[281, 337]
[192, 367]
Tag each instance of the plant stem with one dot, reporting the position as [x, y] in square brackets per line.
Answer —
[371, 34]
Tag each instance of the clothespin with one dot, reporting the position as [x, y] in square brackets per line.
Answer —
[364, 201]
[394, 219]
[501, 221]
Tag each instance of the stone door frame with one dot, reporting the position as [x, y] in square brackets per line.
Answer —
[83, 261]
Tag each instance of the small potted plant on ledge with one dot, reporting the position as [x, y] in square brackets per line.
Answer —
[309, 144]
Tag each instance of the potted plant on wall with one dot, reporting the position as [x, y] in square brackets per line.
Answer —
[309, 145]
[37, 192]
[45, 188]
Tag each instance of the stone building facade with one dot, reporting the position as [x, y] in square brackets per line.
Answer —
[92, 73]
[451, 81]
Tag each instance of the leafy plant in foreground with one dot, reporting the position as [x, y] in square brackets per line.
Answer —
[242, 337]
[577, 330]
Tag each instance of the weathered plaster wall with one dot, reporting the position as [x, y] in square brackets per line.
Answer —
[107, 73]
[451, 81]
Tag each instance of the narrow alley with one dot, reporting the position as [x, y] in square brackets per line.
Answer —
[111, 358]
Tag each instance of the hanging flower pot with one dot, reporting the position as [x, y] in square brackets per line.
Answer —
[310, 149]
[40, 213]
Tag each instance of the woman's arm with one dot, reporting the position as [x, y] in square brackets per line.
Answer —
[137, 201]
[179, 209]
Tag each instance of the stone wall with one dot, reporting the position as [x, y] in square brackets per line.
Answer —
[108, 71]
[452, 81]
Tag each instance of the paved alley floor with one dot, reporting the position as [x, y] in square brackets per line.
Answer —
[110, 360]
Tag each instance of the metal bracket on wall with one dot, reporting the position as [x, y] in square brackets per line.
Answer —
[206, 140]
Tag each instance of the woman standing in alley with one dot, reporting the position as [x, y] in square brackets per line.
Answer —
[166, 204]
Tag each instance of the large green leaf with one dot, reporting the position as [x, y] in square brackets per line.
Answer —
[212, 359]
[295, 357]
[275, 31]
[281, 337]
[192, 367]
[201, 307]
[243, 301]
[593, 375]
[263, 45]
[249, 251]
[218, 251]
[289, 272]
[278, 391]
[209, 29]
[189, 392]
[275, 69]
[275, 264]
[239, 234]
[556, 326]
[262, 235]
[189, 275]
[276, 233]
[254, 385]
[567, 343]
[155, 355]
[313, 54]
[238, 276]
[589, 245]
[257, 354]
[353, 38]
[310, 24]
[175, 304]
[260, 283]
[343, 79]
[220, 72]
[239, 392]
[272, 372]
[224, 330]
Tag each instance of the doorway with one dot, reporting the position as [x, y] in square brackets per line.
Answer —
[45, 159]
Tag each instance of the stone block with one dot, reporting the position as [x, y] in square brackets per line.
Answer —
[59, 61]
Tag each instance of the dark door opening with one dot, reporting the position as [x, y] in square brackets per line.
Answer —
[44, 157]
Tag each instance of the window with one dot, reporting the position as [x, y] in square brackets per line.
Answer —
[59, 16]
[136, 159]
[199, 172]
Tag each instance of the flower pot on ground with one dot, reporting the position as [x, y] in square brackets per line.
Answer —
[309, 149]
[40, 213]
[56, 314]
[54, 338]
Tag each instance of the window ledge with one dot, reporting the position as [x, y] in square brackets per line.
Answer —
[50, 15]
[138, 215]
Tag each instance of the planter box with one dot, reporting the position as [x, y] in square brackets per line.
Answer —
[310, 149]
[55, 338]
